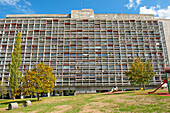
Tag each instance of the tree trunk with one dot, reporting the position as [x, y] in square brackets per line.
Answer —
[140, 87]
[144, 86]
[38, 97]
[13, 97]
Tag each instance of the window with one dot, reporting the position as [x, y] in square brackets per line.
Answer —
[124, 66]
[53, 63]
[98, 55]
[48, 39]
[92, 47]
[105, 67]
[99, 79]
[35, 47]
[22, 55]
[29, 47]
[117, 54]
[104, 55]
[73, 47]
[98, 47]
[129, 47]
[47, 47]
[123, 54]
[135, 47]
[135, 54]
[54, 39]
[111, 67]
[141, 54]
[92, 75]
[85, 47]
[92, 55]
[147, 54]
[153, 54]
[66, 67]
[47, 55]
[73, 67]
[86, 63]
[49, 32]
[59, 67]
[32, 67]
[98, 67]
[41, 54]
[79, 55]
[41, 47]
[122, 47]
[34, 55]
[92, 62]
[66, 55]
[73, 55]
[129, 54]
[79, 75]
[140, 39]
[147, 47]
[66, 47]
[53, 54]
[134, 39]
[10, 47]
[117, 66]
[65, 79]
[85, 75]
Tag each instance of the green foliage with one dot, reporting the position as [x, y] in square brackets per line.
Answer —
[140, 72]
[38, 80]
[68, 91]
[72, 91]
[15, 74]
[3, 89]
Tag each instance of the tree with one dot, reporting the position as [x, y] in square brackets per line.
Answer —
[38, 80]
[15, 74]
[140, 72]
[3, 89]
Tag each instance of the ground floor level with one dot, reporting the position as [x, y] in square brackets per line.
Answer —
[76, 90]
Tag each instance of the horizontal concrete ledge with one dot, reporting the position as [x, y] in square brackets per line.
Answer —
[92, 88]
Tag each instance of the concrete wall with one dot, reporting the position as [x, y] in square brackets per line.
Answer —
[166, 26]
[84, 13]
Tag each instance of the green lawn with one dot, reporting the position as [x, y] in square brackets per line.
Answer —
[94, 103]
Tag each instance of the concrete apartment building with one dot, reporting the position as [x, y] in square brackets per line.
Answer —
[88, 52]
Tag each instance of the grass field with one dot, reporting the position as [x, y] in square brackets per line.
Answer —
[94, 103]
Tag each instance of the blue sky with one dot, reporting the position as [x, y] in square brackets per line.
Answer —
[159, 8]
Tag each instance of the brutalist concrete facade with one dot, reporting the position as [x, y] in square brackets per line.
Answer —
[87, 51]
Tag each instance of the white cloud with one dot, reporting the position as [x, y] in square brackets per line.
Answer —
[157, 11]
[28, 3]
[130, 4]
[138, 2]
[164, 12]
[22, 6]
[133, 4]
[9, 2]
[144, 10]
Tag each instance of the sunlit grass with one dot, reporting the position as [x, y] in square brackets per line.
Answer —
[93, 103]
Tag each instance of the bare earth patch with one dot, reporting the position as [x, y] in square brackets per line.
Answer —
[61, 108]
[3, 109]
[93, 107]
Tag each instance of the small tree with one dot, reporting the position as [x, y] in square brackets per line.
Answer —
[38, 80]
[140, 72]
[15, 74]
[3, 89]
